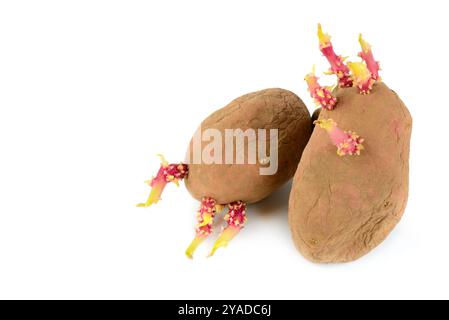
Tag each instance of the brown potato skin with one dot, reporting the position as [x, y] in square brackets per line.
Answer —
[342, 207]
[267, 109]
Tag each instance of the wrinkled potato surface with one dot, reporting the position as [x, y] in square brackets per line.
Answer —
[267, 109]
[342, 207]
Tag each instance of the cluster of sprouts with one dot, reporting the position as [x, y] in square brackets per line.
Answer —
[361, 74]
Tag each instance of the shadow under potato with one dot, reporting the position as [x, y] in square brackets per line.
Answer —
[276, 203]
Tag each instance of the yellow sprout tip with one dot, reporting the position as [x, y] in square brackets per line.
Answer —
[323, 37]
[359, 70]
[366, 47]
[164, 161]
[223, 240]
[193, 246]
[311, 74]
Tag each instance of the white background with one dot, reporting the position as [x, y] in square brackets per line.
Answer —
[90, 91]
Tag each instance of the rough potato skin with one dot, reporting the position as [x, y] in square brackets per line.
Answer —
[267, 109]
[342, 207]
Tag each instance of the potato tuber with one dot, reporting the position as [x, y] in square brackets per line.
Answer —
[350, 191]
[231, 172]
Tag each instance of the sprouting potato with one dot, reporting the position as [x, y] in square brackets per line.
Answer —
[224, 180]
[351, 187]
[267, 109]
